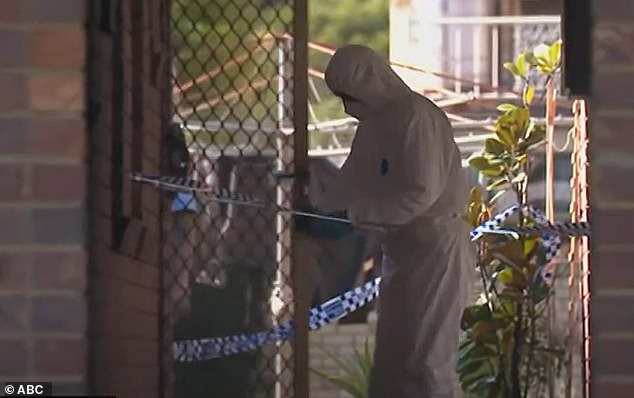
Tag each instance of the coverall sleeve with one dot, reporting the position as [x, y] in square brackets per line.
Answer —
[416, 177]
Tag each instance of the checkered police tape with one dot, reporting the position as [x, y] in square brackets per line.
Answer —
[180, 184]
[330, 311]
[348, 302]
[550, 241]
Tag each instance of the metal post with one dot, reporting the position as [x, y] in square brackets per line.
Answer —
[458, 59]
[300, 157]
[495, 56]
[551, 104]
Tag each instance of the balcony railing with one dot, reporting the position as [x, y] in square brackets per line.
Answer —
[474, 49]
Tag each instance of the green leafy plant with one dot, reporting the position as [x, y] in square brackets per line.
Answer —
[355, 375]
[505, 350]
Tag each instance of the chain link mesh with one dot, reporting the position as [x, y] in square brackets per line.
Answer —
[228, 267]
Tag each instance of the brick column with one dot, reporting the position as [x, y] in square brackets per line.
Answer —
[612, 200]
[42, 193]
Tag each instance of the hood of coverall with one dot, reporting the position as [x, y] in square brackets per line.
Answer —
[363, 79]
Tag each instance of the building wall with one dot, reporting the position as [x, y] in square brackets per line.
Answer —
[125, 125]
[43, 257]
[612, 199]
[77, 308]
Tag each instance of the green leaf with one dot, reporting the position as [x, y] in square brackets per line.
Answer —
[504, 134]
[529, 93]
[520, 178]
[494, 146]
[498, 183]
[535, 135]
[497, 195]
[484, 332]
[554, 53]
[521, 65]
[479, 162]
[473, 314]
[511, 67]
[506, 107]
[487, 166]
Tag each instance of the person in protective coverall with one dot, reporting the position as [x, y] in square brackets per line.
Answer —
[404, 177]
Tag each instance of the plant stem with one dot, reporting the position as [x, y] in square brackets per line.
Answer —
[516, 388]
[531, 343]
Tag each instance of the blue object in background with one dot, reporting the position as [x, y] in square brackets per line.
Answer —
[385, 166]
[184, 201]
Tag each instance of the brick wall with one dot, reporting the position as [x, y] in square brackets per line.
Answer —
[612, 198]
[125, 126]
[42, 193]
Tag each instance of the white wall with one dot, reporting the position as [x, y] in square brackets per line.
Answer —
[417, 39]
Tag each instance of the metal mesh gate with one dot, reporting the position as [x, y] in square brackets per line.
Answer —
[235, 126]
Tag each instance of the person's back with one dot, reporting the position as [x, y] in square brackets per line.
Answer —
[404, 177]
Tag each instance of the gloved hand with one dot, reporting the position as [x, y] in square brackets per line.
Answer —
[320, 228]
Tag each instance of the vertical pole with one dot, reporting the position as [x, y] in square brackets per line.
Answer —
[458, 59]
[495, 56]
[584, 255]
[573, 256]
[551, 106]
[300, 157]
[279, 192]
[477, 60]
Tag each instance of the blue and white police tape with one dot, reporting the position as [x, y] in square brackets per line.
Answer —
[550, 242]
[187, 184]
[330, 311]
[348, 302]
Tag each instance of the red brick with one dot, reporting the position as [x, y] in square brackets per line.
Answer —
[607, 10]
[15, 226]
[12, 97]
[137, 353]
[56, 91]
[53, 10]
[58, 225]
[604, 188]
[14, 268]
[613, 226]
[59, 270]
[59, 182]
[57, 357]
[13, 315]
[13, 357]
[13, 136]
[612, 269]
[612, 390]
[58, 137]
[611, 43]
[120, 293]
[13, 47]
[125, 268]
[612, 90]
[612, 132]
[62, 47]
[9, 10]
[12, 180]
[59, 314]
[49, 137]
[120, 322]
[611, 314]
[612, 357]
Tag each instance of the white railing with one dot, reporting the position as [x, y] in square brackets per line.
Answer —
[474, 49]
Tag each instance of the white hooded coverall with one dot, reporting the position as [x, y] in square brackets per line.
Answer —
[404, 176]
